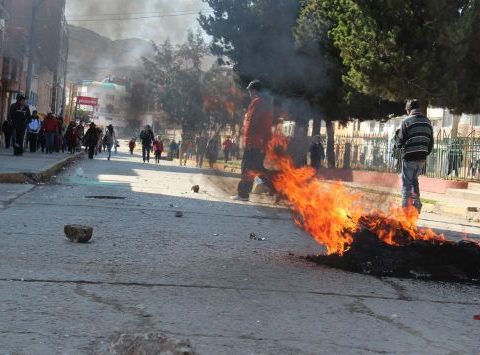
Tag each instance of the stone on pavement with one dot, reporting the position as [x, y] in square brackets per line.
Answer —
[149, 344]
[77, 233]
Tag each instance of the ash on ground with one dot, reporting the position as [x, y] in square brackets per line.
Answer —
[422, 259]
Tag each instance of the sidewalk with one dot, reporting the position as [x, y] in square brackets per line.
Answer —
[32, 167]
[432, 202]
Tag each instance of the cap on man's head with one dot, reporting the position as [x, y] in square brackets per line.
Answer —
[412, 104]
[20, 97]
[255, 85]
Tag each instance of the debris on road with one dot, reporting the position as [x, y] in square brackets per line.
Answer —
[77, 233]
[253, 236]
[149, 343]
[178, 214]
[421, 259]
[196, 188]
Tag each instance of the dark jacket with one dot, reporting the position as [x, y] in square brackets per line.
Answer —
[415, 138]
[147, 138]
[317, 153]
[91, 137]
[19, 116]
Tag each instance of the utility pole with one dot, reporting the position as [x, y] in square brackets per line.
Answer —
[31, 54]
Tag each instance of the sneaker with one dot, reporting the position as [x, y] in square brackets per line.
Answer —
[239, 198]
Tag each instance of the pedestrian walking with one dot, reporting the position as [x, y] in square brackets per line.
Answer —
[50, 129]
[172, 150]
[19, 116]
[200, 148]
[147, 138]
[158, 149]
[71, 138]
[79, 134]
[415, 140]
[213, 146]
[317, 153]
[7, 133]
[33, 131]
[109, 140]
[131, 145]
[227, 149]
[90, 140]
[257, 131]
[455, 157]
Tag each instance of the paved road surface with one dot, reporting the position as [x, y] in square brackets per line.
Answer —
[200, 277]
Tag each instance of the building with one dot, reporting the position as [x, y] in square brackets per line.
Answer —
[33, 40]
[112, 103]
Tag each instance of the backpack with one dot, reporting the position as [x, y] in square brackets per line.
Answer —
[34, 125]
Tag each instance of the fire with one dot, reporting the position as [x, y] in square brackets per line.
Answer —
[330, 213]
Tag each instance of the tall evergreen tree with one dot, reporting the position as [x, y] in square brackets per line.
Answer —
[401, 49]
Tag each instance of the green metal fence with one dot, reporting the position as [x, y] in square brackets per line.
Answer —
[452, 157]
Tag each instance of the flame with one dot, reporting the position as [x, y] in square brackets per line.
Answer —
[330, 213]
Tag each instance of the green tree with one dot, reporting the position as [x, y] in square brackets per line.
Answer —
[176, 79]
[401, 49]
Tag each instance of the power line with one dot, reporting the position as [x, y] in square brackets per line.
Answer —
[133, 18]
[144, 13]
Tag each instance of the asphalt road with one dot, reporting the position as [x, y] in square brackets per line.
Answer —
[200, 277]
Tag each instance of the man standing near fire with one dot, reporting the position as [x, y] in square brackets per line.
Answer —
[257, 131]
[415, 139]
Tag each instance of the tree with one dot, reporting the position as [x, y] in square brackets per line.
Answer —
[258, 37]
[223, 99]
[399, 49]
[176, 77]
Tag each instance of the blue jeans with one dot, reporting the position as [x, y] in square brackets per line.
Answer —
[50, 141]
[411, 170]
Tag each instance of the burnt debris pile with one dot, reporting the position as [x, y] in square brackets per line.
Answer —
[409, 258]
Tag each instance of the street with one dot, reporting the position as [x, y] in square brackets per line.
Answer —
[200, 277]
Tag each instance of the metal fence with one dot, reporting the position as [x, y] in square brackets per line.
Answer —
[451, 158]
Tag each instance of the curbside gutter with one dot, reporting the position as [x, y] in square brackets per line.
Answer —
[41, 176]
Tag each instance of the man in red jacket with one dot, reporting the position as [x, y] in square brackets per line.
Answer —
[257, 130]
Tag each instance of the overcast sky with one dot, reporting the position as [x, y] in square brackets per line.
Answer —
[156, 19]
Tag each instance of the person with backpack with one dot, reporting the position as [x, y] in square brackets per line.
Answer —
[33, 131]
[415, 140]
[147, 138]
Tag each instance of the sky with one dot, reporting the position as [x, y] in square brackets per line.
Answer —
[154, 20]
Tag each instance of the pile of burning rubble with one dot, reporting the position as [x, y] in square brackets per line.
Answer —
[363, 240]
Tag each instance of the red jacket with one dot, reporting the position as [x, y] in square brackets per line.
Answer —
[50, 124]
[257, 127]
[158, 146]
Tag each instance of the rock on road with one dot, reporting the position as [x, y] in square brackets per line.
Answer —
[200, 277]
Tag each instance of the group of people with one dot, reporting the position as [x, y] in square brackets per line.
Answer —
[149, 143]
[97, 140]
[22, 129]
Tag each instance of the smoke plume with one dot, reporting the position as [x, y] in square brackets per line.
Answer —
[155, 20]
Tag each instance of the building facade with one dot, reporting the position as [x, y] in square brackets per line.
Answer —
[33, 40]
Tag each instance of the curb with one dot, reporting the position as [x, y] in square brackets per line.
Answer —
[41, 176]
